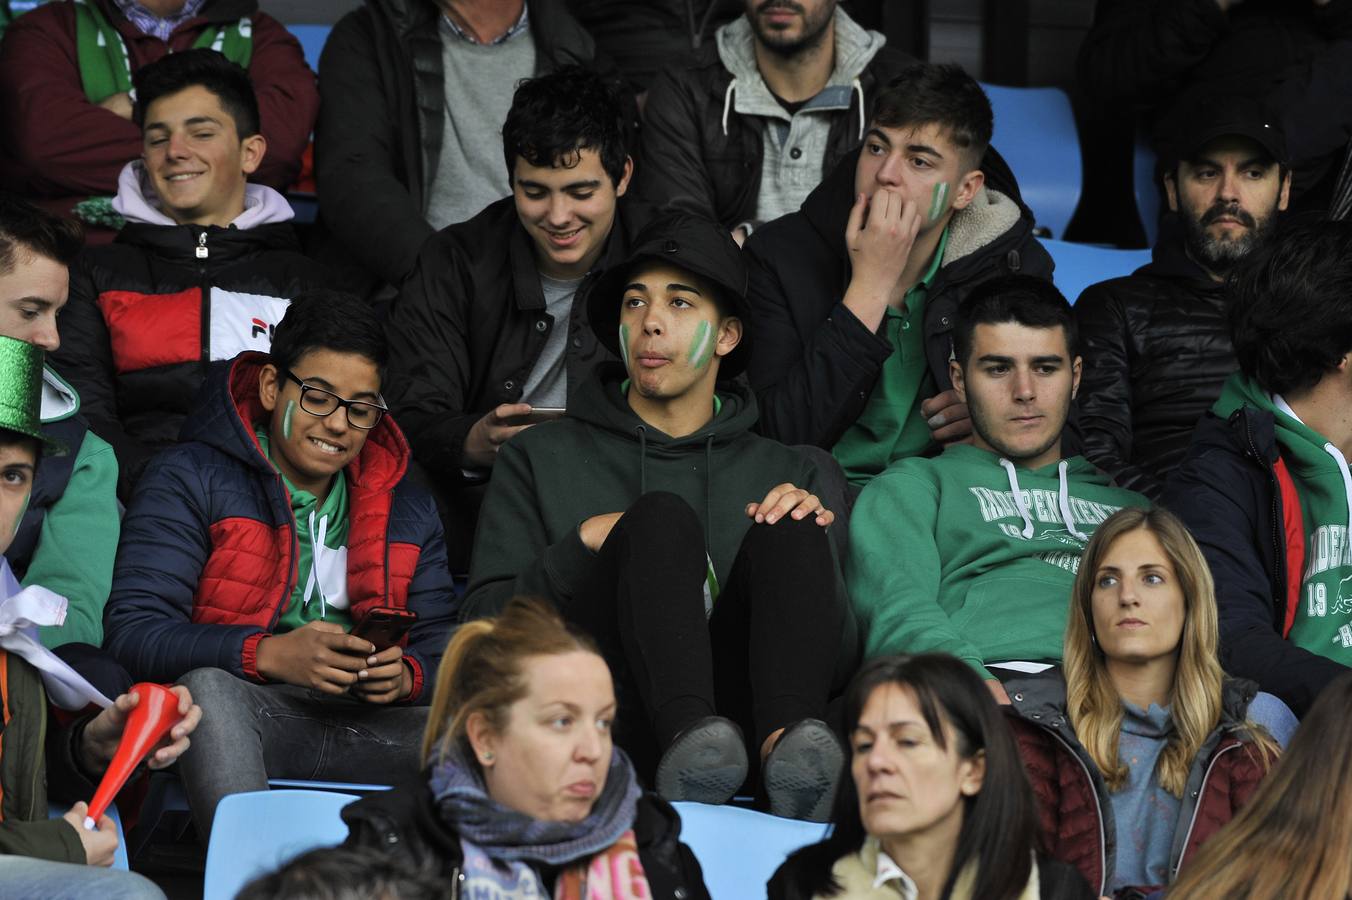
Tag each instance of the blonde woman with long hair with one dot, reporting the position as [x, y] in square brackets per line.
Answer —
[1292, 838]
[1140, 747]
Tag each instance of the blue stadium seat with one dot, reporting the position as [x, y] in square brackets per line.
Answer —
[739, 849]
[1035, 133]
[1080, 265]
[353, 787]
[1146, 189]
[259, 831]
[120, 861]
[312, 38]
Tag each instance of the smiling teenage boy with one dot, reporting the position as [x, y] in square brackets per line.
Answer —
[486, 327]
[203, 269]
[250, 551]
[855, 294]
[694, 550]
[973, 552]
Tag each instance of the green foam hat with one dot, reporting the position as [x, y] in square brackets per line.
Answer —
[21, 392]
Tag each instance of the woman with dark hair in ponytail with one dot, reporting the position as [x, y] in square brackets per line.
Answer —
[523, 794]
[935, 804]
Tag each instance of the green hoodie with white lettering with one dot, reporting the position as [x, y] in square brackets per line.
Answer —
[1323, 622]
[969, 554]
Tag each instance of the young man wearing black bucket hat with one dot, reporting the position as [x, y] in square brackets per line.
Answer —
[694, 550]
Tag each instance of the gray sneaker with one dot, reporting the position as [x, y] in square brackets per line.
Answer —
[706, 763]
[802, 770]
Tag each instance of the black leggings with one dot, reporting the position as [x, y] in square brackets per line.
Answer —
[766, 656]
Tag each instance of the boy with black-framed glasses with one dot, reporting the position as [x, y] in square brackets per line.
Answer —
[251, 551]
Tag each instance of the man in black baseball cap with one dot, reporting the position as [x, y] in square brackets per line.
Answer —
[694, 550]
[1156, 343]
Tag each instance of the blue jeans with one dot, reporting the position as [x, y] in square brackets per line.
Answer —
[22, 878]
[1275, 716]
[252, 732]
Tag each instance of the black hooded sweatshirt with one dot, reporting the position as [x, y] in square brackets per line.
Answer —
[599, 459]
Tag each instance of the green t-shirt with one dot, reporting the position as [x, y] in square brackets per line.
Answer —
[321, 531]
[891, 426]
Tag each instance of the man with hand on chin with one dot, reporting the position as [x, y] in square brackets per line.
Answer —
[853, 334]
[486, 327]
[974, 552]
[694, 550]
[253, 550]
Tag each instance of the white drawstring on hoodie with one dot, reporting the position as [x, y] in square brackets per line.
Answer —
[317, 549]
[1062, 497]
[727, 103]
[857, 87]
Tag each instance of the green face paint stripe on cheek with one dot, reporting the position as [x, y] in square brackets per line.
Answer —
[938, 200]
[624, 345]
[702, 348]
[287, 417]
[23, 511]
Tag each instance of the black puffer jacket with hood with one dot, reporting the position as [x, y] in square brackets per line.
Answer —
[815, 363]
[1156, 348]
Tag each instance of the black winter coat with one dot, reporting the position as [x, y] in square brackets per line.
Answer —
[1163, 56]
[405, 824]
[381, 118]
[147, 315]
[1156, 348]
[814, 364]
[1226, 492]
[692, 161]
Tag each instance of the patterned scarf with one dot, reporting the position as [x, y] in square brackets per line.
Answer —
[503, 848]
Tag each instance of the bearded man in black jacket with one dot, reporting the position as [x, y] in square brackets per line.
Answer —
[1157, 343]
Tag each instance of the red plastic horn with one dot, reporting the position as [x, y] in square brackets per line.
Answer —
[155, 713]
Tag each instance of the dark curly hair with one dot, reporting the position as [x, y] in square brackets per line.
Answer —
[1291, 306]
[556, 115]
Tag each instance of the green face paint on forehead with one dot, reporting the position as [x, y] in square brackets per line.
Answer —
[287, 416]
[702, 347]
[624, 345]
[938, 200]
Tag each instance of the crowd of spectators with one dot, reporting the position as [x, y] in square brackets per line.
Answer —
[671, 402]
